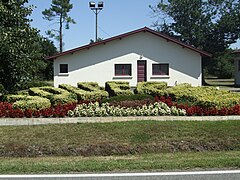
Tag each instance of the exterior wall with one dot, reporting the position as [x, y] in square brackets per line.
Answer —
[96, 64]
[237, 72]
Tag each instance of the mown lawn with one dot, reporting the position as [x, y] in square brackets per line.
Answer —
[120, 138]
[129, 163]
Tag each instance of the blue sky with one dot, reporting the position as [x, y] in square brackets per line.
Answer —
[117, 17]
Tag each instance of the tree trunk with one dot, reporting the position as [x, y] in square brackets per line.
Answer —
[60, 35]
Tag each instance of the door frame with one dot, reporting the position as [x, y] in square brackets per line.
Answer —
[145, 70]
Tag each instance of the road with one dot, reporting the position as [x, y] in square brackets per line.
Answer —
[197, 175]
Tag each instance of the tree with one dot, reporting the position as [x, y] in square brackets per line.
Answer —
[212, 25]
[59, 12]
[20, 45]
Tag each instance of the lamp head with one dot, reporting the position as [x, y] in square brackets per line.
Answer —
[92, 4]
[100, 5]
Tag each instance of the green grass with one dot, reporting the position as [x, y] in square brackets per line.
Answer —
[119, 138]
[144, 162]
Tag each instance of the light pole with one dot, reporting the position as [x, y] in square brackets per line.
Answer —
[96, 10]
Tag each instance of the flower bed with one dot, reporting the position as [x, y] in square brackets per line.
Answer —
[8, 110]
[103, 110]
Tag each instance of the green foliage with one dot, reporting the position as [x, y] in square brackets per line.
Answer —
[28, 102]
[117, 88]
[128, 98]
[55, 95]
[88, 91]
[152, 88]
[59, 12]
[21, 46]
[94, 109]
[206, 97]
[2, 89]
[210, 25]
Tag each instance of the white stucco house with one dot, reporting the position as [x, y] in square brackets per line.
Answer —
[237, 66]
[140, 55]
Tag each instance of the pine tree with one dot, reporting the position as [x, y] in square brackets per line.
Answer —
[59, 12]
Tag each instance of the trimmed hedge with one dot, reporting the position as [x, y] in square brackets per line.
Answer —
[84, 94]
[128, 98]
[152, 88]
[94, 88]
[117, 88]
[28, 102]
[55, 95]
[206, 97]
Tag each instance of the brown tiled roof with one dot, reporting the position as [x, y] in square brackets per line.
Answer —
[145, 29]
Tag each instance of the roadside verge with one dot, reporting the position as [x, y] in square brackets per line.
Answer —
[41, 121]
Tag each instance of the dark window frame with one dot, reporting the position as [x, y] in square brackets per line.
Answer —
[63, 68]
[160, 69]
[123, 69]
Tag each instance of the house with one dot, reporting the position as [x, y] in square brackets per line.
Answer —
[140, 55]
[237, 66]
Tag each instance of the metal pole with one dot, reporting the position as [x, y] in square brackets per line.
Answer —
[96, 36]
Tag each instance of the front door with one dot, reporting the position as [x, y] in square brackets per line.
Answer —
[141, 71]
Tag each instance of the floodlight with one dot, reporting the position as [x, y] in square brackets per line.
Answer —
[92, 5]
[100, 5]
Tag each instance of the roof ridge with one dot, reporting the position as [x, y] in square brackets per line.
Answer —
[144, 29]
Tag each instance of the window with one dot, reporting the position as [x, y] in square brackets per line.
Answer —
[63, 68]
[123, 69]
[160, 69]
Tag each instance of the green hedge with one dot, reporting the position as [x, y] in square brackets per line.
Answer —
[128, 98]
[117, 88]
[94, 88]
[28, 102]
[204, 96]
[55, 95]
[97, 94]
[152, 88]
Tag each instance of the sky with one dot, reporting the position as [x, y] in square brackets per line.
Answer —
[117, 17]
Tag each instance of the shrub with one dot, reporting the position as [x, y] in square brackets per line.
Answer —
[117, 88]
[205, 97]
[2, 89]
[129, 98]
[55, 95]
[94, 88]
[83, 95]
[28, 102]
[152, 88]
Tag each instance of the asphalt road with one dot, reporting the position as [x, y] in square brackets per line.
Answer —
[197, 175]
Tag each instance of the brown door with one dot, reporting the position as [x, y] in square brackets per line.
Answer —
[141, 71]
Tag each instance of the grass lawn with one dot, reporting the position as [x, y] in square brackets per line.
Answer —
[132, 163]
[119, 138]
[119, 146]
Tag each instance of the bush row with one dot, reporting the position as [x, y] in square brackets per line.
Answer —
[152, 88]
[55, 95]
[28, 102]
[94, 109]
[205, 97]
[117, 88]
[194, 110]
